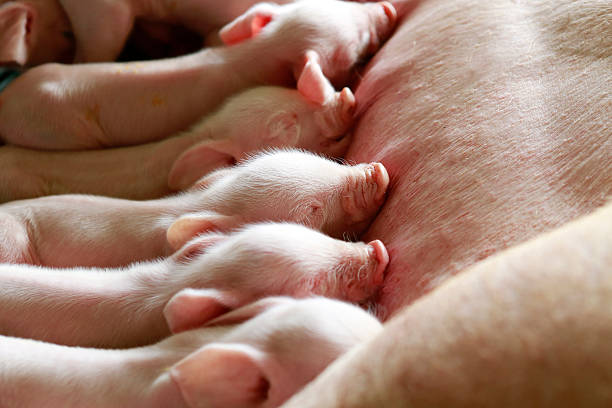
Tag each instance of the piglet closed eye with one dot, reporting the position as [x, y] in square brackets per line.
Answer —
[272, 259]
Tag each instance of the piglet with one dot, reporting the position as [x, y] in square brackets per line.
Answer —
[313, 117]
[211, 275]
[278, 259]
[294, 186]
[256, 356]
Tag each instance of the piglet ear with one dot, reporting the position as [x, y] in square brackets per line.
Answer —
[192, 308]
[248, 312]
[312, 84]
[14, 20]
[210, 178]
[222, 375]
[189, 226]
[249, 24]
[283, 129]
[197, 246]
[196, 162]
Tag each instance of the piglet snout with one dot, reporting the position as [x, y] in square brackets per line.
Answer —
[380, 178]
[365, 194]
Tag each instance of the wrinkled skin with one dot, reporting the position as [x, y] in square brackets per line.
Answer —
[277, 345]
[211, 275]
[78, 230]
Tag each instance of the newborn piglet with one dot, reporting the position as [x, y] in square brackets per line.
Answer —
[294, 186]
[209, 276]
[256, 356]
[267, 259]
[313, 117]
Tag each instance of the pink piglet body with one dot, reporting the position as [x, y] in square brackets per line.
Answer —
[292, 186]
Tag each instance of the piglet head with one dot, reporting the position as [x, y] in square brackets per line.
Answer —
[290, 259]
[313, 117]
[278, 346]
[267, 260]
[295, 186]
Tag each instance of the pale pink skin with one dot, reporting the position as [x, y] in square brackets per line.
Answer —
[313, 117]
[74, 107]
[500, 161]
[136, 172]
[126, 307]
[535, 317]
[79, 230]
[493, 119]
[277, 345]
[449, 210]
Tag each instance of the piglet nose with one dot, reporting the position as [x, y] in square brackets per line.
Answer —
[377, 250]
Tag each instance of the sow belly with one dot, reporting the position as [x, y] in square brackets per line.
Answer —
[494, 121]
